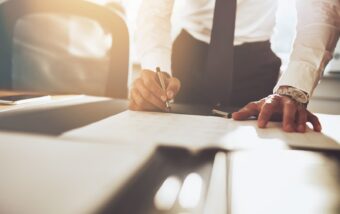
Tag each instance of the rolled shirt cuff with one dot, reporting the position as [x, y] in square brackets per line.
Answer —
[300, 75]
[305, 69]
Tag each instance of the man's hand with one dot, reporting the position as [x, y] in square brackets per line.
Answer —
[282, 108]
[147, 95]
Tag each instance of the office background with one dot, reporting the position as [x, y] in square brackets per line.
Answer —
[76, 154]
[82, 46]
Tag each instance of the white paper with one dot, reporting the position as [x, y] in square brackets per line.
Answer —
[55, 101]
[156, 128]
[198, 132]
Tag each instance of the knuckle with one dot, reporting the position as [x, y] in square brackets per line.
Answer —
[265, 114]
[276, 97]
[290, 105]
[177, 83]
[251, 105]
[146, 73]
[147, 81]
[167, 75]
[139, 101]
[268, 107]
[138, 83]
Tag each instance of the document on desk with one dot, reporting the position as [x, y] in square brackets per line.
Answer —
[200, 132]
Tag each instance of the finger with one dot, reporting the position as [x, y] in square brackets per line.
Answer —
[266, 113]
[173, 87]
[314, 120]
[289, 114]
[251, 109]
[149, 96]
[132, 105]
[302, 120]
[141, 103]
[150, 81]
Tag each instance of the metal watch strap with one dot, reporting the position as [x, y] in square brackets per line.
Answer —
[297, 95]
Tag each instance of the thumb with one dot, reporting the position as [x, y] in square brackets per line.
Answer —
[173, 87]
[251, 109]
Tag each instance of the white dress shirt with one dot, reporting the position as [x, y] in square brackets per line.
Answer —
[255, 21]
[317, 33]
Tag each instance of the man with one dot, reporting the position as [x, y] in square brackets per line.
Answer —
[198, 65]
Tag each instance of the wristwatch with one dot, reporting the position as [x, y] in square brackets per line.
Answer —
[294, 93]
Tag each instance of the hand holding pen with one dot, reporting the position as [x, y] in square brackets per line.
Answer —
[153, 91]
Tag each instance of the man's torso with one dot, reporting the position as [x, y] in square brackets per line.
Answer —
[255, 19]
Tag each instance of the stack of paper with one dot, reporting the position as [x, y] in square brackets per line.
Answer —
[199, 132]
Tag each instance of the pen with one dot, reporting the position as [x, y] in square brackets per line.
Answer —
[161, 80]
[222, 113]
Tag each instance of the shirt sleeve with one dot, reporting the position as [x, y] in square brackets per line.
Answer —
[317, 35]
[153, 34]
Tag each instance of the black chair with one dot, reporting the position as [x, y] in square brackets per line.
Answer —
[12, 10]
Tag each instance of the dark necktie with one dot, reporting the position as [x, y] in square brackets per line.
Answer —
[220, 59]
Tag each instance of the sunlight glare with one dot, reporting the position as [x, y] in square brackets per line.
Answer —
[191, 191]
[166, 196]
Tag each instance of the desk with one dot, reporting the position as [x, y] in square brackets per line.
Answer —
[289, 170]
[43, 175]
[56, 117]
